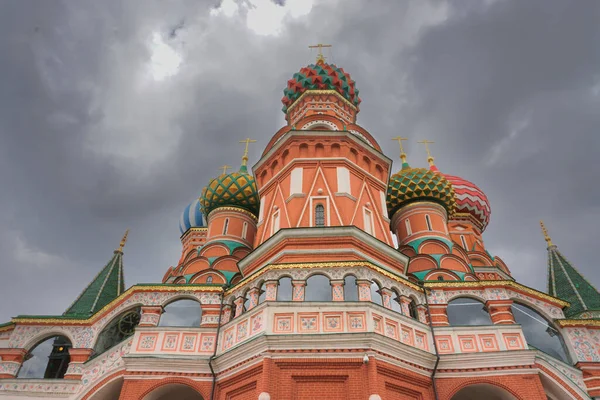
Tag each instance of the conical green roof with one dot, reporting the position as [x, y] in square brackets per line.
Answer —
[565, 282]
[104, 288]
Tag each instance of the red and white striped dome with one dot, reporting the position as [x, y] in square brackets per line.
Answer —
[470, 201]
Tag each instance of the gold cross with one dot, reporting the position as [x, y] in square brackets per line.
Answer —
[320, 57]
[402, 153]
[245, 156]
[123, 241]
[545, 232]
[225, 168]
[427, 143]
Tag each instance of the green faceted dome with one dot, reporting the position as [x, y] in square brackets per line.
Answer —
[237, 189]
[415, 184]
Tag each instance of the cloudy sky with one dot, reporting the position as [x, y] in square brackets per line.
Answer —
[115, 114]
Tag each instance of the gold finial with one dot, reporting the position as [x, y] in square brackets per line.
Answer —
[225, 168]
[245, 156]
[123, 241]
[320, 57]
[427, 143]
[545, 232]
[399, 139]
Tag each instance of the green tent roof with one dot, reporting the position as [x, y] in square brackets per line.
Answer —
[565, 282]
[104, 288]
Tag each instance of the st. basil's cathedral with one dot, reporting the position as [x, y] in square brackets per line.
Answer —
[321, 272]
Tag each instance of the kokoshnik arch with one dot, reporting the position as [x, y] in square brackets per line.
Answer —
[290, 286]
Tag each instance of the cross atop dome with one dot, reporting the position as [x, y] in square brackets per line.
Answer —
[320, 56]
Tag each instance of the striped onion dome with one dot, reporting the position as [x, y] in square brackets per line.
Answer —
[191, 217]
[470, 201]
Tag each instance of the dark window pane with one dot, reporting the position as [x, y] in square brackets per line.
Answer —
[181, 313]
[465, 311]
[376, 294]
[539, 333]
[350, 288]
[317, 289]
[48, 360]
[319, 215]
[284, 289]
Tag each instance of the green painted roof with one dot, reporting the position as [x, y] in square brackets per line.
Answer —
[565, 282]
[104, 288]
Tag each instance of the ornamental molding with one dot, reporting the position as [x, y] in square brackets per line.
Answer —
[297, 134]
[231, 209]
[592, 323]
[313, 92]
[449, 286]
[325, 232]
[191, 289]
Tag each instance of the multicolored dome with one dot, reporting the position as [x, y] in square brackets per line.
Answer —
[320, 76]
[191, 217]
[237, 189]
[413, 184]
[470, 201]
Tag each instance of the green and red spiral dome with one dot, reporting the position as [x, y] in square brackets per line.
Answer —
[320, 76]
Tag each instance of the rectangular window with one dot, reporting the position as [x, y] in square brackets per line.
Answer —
[384, 210]
[343, 180]
[244, 230]
[368, 221]
[464, 242]
[408, 229]
[225, 226]
[261, 211]
[275, 227]
[296, 181]
[428, 220]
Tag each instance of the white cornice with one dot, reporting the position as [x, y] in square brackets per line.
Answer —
[486, 360]
[291, 134]
[326, 232]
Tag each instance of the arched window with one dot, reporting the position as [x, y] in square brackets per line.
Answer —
[117, 330]
[539, 333]
[48, 360]
[225, 226]
[440, 278]
[376, 294]
[244, 230]
[408, 228]
[350, 288]
[428, 221]
[412, 309]
[467, 312]
[246, 301]
[396, 304]
[317, 288]
[181, 313]
[319, 215]
[263, 293]
[284, 289]
[209, 279]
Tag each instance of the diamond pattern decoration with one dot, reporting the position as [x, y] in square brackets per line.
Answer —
[412, 184]
[321, 76]
[237, 189]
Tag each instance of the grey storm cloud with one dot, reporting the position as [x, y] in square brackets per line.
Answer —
[92, 144]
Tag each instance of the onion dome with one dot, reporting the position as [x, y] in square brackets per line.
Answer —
[320, 76]
[191, 217]
[471, 202]
[418, 184]
[236, 189]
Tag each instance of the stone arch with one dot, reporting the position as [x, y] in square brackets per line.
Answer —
[454, 263]
[48, 358]
[354, 156]
[466, 310]
[446, 275]
[484, 389]
[321, 291]
[175, 316]
[201, 276]
[47, 334]
[284, 157]
[173, 382]
[433, 246]
[108, 389]
[475, 295]
[303, 150]
[319, 150]
[335, 150]
[107, 326]
[89, 395]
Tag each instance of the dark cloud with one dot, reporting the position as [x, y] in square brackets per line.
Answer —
[91, 145]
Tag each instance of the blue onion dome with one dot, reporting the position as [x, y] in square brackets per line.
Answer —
[191, 217]
[236, 189]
